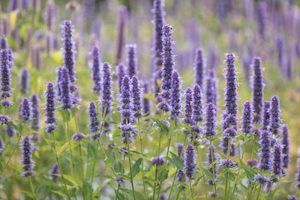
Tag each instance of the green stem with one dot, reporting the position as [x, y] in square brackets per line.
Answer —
[173, 183]
[142, 151]
[32, 188]
[258, 194]
[226, 185]
[177, 196]
[117, 193]
[129, 160]
[191, 189]
[68, 135]
[155, 180]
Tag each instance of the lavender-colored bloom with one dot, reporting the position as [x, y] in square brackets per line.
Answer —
[168, 62]
[1, 146]
[211, 88]
[13, 5]
[261, 17]
[277, 161]
[94, 122]
[50, 15]
[257, 91]
[280, 50]
[5, 64]
[125, 101]
[127, 133]
[275, 115]
[65, 90]
[121, 74]
[199, 68]
[210, 121]
[35, 125]
[131, 60]
[106, 90]
[292, 197]
[26, 153]
[136, 97]
[247, 118]
[55, 172]
[25, 110]
[266, 116]
[78, 136]
[197, 104]
[188, 111]
[211, 158]
[181, 176]
[252, 163]
[50, 108]
[227, 141]
[96, 76]
[146, 101]
[189, 161]
[285, 142]
[120, 37]
[68, 46]
[36, 57]
[3, 43]
[158, 161]
[120, 180]
[231, 85]
[4, 119]
[158, 21]
[10, 131]
[179, 148]
[298, 170]
[261, 179]
[265, 150]
[228, 163]
[175, 95]
[58, 80]
[24, 82]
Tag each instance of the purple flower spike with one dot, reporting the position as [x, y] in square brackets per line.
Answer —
[179, 147]
[231, 85]
[199, 68]
[146, 101]
[136, 97]
[78, 136]
[175, 95]
[3, 43]
[4, 119]
[298, 170]
[26, 153]
[1, 146]
[211, 88]
[106, 90]
[228, 163]
[131, 61]
[50, 108]
[266, 116]
[188, 111]
[65, 88]
[247, 118]
[96, 71]
[120, 38]
[35, 101]
[68, 46]
[277, 162]
[292, 197]
[121, 74]
[24, 82]
[55, 172]
[125, 101]
[158, 161]
[25, 110]
[257, 91]
[252, 163]
[94, 122]
[211, 158]
[10, 131]
[265, 150]
[50, 15]
[197, 104]
[275, 115]
[189, 161]
[285, 142]
[210, 122]
[5, 90]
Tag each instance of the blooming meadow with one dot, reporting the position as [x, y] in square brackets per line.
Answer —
[107, 100]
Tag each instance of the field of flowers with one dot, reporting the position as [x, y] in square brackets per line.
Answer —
[149, 99]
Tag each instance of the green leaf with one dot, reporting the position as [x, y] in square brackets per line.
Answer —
[118, 167]
[74, 181]
[136, 167]
[177, 161]
[163, 175]
[59, 193]
[161, 125]
[208, 174]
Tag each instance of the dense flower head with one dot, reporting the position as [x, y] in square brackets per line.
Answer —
[277, 161]
[55, 172]
[199, 68]
[96, 76]
[125, 101]
[50, 108]
[65, 90]
[78, 136]
[127, 133]
[5, 72]
[247, 118]
[10, 130]
[211, 88]
[158, 161]
[252, 163]
[231, 85]
[131, 60]
[265, 150]
[93, 119]
[229, 121]
[146, 101]
[189, 161]
[120, 74]
[24, 82]
[106, 90]
[179, 148]
[275, 115]
[188, 109]
[266, 116]
[26, 153]
[136, 97]
[3, 43]
[261, 179]
[228, 163]
[285, 142]
[4, 119]
[197, 104]
[168, 62]
[210, 120]
[35, 101]
[25, 110]
[68, 46]
[257, 91]
[175, 95]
